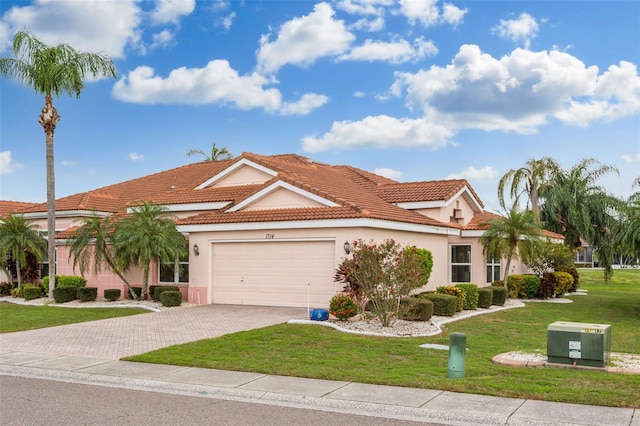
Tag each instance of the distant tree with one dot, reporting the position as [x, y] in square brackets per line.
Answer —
[517, 234]
[532, 179]
[19, 236]
[147, 235]
[92, 247]
[52, 71]
[217, 154]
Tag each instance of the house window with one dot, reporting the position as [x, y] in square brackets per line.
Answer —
[461, 264]
[44, 272]
[174, 272]
[493, 270]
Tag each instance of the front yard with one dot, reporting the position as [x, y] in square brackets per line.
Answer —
[318, 352]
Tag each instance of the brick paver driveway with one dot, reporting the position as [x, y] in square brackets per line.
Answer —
[119, 337]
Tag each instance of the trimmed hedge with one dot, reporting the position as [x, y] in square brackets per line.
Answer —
[453, 291]
[470, 292]
[171, 298]
[530, 286]
[574, 273]
[112, 294]
[485, 297]
[87, 294]
[444, 305]
[64, 280]
[5, 289]
[30, 292]
[136, 290]
[499, 295]
[564, 281]
[515, 283]
[65, 293]
[415, 309]
[157, 290]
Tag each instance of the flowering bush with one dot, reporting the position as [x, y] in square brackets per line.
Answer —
[453, 291]
[343, 307]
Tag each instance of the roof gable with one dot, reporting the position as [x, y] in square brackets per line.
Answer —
[242, 172]
[282, 195]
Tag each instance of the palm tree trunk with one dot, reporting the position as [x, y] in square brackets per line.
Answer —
[18, 272]
[48, 120]
[506, 275]
[145, 282]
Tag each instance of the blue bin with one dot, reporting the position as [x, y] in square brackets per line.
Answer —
[319, 314]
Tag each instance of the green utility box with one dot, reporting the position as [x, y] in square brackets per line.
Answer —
[577, 343]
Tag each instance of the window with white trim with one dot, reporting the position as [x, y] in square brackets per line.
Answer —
[174, 272]
[493, 270]
[461, 264]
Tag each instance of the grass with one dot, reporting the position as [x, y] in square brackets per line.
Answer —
[319, 352]
[23, 317]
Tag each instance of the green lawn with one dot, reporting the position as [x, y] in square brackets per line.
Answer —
[319, 352]
[24, 317]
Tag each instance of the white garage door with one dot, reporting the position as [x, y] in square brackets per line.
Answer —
[274, 273]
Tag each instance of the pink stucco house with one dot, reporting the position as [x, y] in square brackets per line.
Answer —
[271, 230]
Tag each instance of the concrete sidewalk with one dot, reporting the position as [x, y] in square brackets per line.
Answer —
[422, 405]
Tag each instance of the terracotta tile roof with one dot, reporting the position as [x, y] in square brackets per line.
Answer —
[551, 234]
[478, 218]
[8, 207]
[435, 190]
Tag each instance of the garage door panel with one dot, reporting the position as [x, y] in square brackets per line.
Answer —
[274, 273]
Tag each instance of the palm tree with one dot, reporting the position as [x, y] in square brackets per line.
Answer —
[217, 154]
[52, 71]
[534, 177]
[17, 236]
[516, 234]
[148, 234]
[92, 247]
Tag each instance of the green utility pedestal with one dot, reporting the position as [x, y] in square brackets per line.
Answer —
[457, 353]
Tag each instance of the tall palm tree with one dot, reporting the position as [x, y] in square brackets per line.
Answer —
[576, 206]
[148, 234]
[51, 71]
[516, 234]
[92, 247]
[17, 236]
[217, 154]
[531, 179]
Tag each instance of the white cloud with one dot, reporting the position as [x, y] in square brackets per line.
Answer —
[364, 7]
[487, 173]
[395, 52]
[428, 14]
[359, 94]
[301, 41]
[170, 11]
[380, 132]
[388, 173]
[217, 83]
[7, 165]
[227, 21]
[523, 29]
[370, 25]
[627, 158]
[135, 157]
[304, 106]
[98, 26]
[164, 38]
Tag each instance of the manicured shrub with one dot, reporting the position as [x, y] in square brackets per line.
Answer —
[453, 291]
[499, 295]
[65, 293]
[171, 298]
[470, 292]
[415, 309]
[87, 294]
[529, 287]
[136, 290]
[515, 283]
[444, 305]
[426, 258]
[15, 292]
[112, 294]
[574, 273]
[30, 292]
[5, 289]
[343, 307]
[64, 280]
[159, 289]
[563, 284]
[485, 297]
[547, 285]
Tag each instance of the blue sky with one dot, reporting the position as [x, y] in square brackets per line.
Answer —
[413, 90]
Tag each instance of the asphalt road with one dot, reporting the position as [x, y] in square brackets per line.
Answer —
[44, 402]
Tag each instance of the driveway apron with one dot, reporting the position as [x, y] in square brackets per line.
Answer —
[119, 337]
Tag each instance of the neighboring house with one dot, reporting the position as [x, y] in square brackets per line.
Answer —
[271, 230]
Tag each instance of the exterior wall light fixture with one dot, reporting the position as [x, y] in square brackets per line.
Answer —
[196, 250]
[347, 247]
